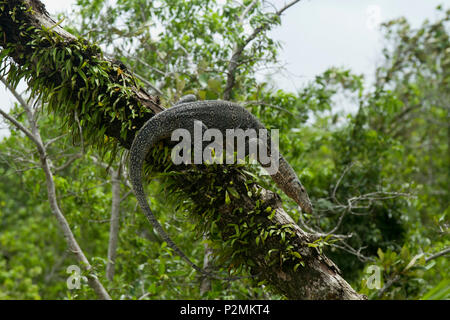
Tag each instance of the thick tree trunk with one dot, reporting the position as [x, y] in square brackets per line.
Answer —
[318, 278]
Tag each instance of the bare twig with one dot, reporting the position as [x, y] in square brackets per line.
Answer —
[333, 195]
[388, 284]
[80, 130]
[246, 11]
[438, 254]
[50, 141]
[205, 284]
[149, 84]
[357, 252]
[68, 162]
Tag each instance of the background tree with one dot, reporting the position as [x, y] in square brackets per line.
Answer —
[378, 178]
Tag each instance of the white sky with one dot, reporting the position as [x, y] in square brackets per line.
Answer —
[317, 34]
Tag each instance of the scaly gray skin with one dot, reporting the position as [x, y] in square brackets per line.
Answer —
[216, 114]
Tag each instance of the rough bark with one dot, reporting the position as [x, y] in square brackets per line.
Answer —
[318, 279]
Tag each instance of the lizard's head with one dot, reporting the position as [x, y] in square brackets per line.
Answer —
[301, 197]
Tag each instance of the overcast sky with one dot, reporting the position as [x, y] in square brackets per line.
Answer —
[317, 34]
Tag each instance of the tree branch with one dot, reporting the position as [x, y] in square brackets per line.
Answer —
[438, 254]
[74, 247]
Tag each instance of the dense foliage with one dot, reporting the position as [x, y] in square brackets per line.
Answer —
[379, 174]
